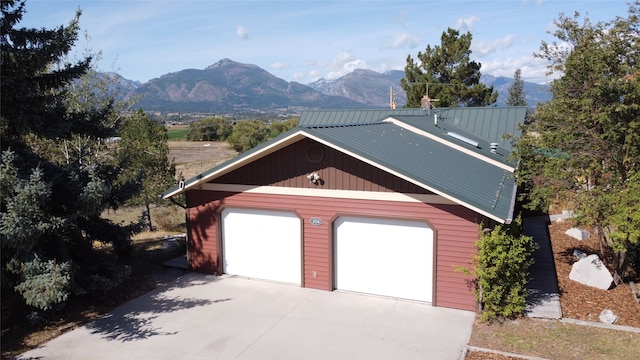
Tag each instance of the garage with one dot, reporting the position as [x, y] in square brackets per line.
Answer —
[262, 244]
[385, 257]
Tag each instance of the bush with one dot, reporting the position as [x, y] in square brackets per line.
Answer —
[501, 270]
[169, 218]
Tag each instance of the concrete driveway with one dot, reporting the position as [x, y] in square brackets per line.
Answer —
[206, 317]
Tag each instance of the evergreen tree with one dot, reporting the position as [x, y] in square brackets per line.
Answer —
[447, 73]
[143, 157]
[57, 174]
[516, 91]
[586, 151]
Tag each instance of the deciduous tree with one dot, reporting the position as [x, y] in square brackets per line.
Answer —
[209, 129]
[247, 134]
[278, 127]
[143, 157]
[586, 148]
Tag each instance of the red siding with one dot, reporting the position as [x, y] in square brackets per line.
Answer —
[455, 229]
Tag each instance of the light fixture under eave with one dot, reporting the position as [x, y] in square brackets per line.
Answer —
[463, 138]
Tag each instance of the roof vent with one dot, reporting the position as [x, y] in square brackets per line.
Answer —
[494, 147]
[463, 139]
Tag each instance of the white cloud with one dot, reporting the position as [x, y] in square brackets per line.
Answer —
[483, 48]
[465, 24]
[242, 32]
[279, 65]
[343, 64]
[533, 69]
[308, 76]
[403, 40]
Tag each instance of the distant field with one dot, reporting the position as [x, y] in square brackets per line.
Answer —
[193, 157]
[177, 132]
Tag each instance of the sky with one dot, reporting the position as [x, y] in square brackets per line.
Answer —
[304, 41]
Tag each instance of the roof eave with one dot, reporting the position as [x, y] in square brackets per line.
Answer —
[234, 164]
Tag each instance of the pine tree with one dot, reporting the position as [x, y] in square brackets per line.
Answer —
[516, 91]
[447, 73]
[57, 174]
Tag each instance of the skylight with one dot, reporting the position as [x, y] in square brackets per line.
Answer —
[463, 138]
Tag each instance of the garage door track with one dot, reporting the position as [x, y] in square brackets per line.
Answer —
[206, 317]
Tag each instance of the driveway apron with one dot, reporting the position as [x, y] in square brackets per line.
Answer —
[206, 317]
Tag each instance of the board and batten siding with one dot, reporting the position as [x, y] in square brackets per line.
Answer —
[455, 231]
[290, 166]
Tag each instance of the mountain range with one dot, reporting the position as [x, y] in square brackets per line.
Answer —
[231, 87]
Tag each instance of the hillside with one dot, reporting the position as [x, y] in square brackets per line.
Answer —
[365, 86]
[228, 86]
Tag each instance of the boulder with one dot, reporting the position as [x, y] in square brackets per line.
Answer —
[578, 233]
[608, 317]
[591, 271]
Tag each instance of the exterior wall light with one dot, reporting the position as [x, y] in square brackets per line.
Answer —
[314, 178]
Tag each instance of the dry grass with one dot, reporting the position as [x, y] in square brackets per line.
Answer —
[193, 157]
[553, 339]
[165, 219]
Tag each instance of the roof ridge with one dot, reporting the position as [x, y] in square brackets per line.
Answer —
[337, 125]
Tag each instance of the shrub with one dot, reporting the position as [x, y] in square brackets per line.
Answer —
[501, 271]
[169, 218]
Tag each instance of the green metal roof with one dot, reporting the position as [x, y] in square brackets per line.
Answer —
[351, 117]
[487, 123]
[409, 144]
[432, 164]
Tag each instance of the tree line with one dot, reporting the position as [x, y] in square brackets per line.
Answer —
[241, 135]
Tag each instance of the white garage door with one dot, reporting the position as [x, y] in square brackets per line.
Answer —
[262, 244]
[384, 257]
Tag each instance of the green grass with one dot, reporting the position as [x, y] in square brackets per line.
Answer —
[177, 133]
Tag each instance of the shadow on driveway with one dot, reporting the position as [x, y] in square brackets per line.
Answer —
[135, 322]
[206, 317]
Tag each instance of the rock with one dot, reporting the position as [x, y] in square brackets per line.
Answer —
[578, 233]
[591, 271]
[579, 254]
[608, 317]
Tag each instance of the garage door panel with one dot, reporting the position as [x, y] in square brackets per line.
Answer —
[384, 257]
[262, 244]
